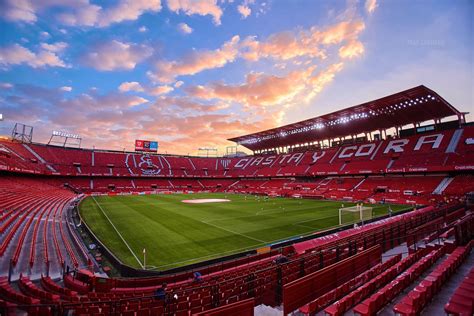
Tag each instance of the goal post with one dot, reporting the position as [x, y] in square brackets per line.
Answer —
[353, 214]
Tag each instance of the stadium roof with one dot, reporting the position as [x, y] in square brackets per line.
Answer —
[415, 105]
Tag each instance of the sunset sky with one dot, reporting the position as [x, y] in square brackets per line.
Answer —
[192, 73]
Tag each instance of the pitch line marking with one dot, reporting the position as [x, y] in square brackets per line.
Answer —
[237, 250]
[227, 218]
[245, 248]
[118, 233]
[230, 231]
[315, 219]
[207, 256]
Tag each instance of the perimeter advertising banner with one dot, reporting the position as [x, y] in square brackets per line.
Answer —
[146, 145]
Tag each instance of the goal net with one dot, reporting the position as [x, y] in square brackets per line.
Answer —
[354, 214]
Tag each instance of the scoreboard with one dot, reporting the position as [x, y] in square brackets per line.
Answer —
[146, 145]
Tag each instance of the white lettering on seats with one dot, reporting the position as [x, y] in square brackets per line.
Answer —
[268, 160]
[283, 158]
[296, 157]
[396, 146]
[257, 161]
[344, 153]
[316, 157]
[241, 163]
[430, 139]
[365, 150]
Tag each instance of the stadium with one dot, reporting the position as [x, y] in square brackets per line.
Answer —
[335, 195]
[236, 157]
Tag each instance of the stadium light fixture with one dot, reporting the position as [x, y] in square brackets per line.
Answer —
[389, 109]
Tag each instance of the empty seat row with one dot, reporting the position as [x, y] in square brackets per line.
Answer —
[415, 300]
[377, 301]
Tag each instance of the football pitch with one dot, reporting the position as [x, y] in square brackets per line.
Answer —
[175, 233]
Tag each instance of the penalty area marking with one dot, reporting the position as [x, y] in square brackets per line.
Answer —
[118, 233]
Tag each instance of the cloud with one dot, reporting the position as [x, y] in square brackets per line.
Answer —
[196, 61]
[199, 7]
[323, 78]
[371, 5]
[14, 10]
[128, 10]
[282, 46]
[258, 89]
[143, 29]
[185, 103]
[311, 43]
[159, 90]
[351, 50]
[178, 84]
[78, 12]
[137, 101]
[118, 120]
[116, 55]
[137, 87]
[303, 47]
[55, 48]
[184, 28]
[263, 93]
[338, 33]
[304, 43]
[6, 85]
[130, 86]
[17, 55]
[244, 11]
[84, 15]
[66, 89]
[45, 35]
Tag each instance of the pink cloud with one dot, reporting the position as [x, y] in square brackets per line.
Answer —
[195, 62]
[265, 91]
[84, 15]
[118, 121]
[351, 50]
[79, 13]
[310, 44]
[159, 90]
[371, 5]
[128, 10]
[244, 11]
[199, 7]
[6, 85]
[184, 103]
[116, 55]
[282, 46]
[270, 97]
[130, 86]
[14, 10]
[184, 28]
[338, 33]
[55, 47]
[17, 54]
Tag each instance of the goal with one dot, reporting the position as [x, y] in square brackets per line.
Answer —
[354, 214]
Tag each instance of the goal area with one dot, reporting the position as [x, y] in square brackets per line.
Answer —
[353, 214]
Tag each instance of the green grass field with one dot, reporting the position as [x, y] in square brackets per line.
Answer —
[176, 234]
